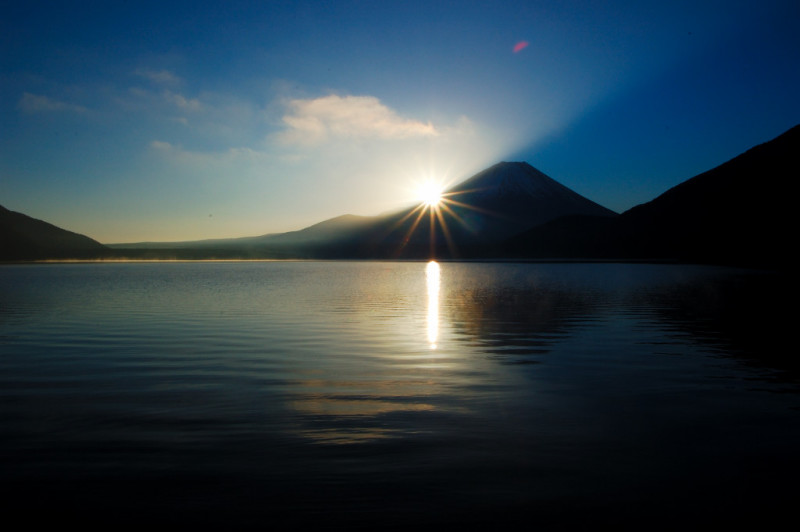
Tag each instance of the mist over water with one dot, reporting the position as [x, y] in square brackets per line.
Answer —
[395, 394]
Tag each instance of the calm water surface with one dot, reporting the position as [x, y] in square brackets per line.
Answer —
[399, 395]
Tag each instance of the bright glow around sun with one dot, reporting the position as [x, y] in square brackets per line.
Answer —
[430, 193]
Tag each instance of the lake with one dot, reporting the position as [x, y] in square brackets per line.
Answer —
[397, 395]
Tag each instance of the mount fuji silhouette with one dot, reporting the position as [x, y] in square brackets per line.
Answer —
[476, 216]
[472, 219]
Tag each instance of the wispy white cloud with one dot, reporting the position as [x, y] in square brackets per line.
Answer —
[161, 145]
[158, 100]
[209, 160]
[181, 101]
[316, 120]
[36, 103]
[159, 77]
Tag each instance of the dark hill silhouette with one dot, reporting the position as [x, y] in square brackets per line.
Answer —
[318, 233]
[737, 213]
[322, 240]
[26, 238]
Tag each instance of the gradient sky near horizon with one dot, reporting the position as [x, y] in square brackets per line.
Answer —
[161, 121]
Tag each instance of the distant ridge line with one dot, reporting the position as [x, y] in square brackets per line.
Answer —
[737, 213]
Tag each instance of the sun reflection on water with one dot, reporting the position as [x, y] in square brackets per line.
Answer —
[432, 275]
[369, 385]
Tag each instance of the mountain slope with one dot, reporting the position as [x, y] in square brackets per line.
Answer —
[26, 238]
[739, 211]
[736, 213]
[319, 232]
[324, 231]
[321, 240]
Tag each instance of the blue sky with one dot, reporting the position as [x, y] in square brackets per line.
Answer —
[132, 121]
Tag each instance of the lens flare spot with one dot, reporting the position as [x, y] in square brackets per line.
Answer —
[521, 45]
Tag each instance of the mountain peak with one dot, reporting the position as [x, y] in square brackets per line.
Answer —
[519, 190]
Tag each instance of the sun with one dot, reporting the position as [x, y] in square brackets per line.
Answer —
[430, 193]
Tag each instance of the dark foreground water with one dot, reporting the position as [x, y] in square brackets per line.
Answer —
[397, 395]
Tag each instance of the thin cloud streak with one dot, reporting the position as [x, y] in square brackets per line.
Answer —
[35, 103]
[181, 101]
[159, 77]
